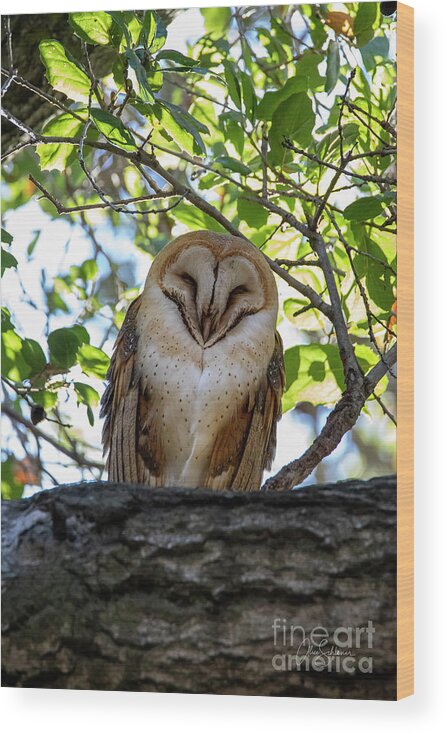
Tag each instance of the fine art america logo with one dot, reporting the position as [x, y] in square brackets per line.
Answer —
[319, 650]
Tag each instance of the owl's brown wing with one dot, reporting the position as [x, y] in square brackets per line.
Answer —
[247, 447]
[129, 437]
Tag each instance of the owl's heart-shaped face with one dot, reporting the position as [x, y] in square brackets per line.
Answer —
[213, 286]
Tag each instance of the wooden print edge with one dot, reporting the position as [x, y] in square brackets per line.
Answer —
[405, 390]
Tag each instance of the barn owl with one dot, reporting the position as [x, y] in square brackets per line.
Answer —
[196, 378]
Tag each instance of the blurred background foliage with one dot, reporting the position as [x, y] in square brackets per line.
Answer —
[243, 105]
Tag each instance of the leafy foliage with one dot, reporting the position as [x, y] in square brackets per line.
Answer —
[261, 117]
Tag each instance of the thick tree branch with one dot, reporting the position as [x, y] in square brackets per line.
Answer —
[120, 587]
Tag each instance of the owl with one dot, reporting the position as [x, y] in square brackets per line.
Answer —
[195, 382]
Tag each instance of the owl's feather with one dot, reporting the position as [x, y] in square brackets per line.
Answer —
[129, 436]
[247, 444]
[182, 412]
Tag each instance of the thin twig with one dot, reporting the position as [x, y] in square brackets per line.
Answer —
[61, 209]
[77, 458]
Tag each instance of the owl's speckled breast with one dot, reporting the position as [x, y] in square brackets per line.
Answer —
[197, 391]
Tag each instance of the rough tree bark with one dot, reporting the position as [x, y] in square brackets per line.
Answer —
[123, 588]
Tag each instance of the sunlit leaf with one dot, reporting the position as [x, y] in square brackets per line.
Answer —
[95, 28]
[93, 361]
[56, 156]
[216, 20]
[63, 73]
[12, 489]
[196, 219]
[148, 28]
[138, 75]
[88, 396]
[364, 22]
[254, 214]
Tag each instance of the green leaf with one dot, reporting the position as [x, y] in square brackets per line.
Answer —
[216, 20]
[234, 88]
[350, 133]
[130, 27]
[181, 127]
[177, 57]
[375, 51]
[11, 488]
[47, 399]
[93, 361]
[12, 362]
[63, 344]
[7, 324]
[314, 373]
[94, 28]
[148, 29]
[33, 355]
[33, 243]
[8, 260]
[307, 320]
[379, 286]
[307, 67]
[113, 129]
[6, 237]
[88, 271]
[333, 66]
[254, 214]
[248, 95]
[82, 334]
[86, 395]
[235, 133]
[195, 218]
[138, 76]
[363, 209]
[366, 245]
[293, 119]
[364, 22]
[271, 100]
[233, 165]
[118, 18]
[62, 72]
[159, 39]
[56, 156]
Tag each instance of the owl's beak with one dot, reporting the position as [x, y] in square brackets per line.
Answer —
[206, 327]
